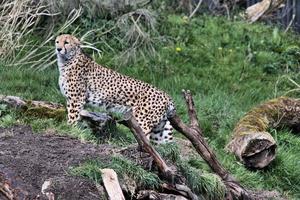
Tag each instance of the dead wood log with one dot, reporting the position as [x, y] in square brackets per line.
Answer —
[256, 11]
[36, 108]
[111, 184]
[194, 133]
[251, 142]
[100, 123]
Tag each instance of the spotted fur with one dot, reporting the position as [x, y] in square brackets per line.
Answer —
[84, 81]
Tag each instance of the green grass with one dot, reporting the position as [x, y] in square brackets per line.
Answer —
[203, 183]
[124, 168]
[230, 66]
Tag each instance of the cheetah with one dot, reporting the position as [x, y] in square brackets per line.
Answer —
[83, 81]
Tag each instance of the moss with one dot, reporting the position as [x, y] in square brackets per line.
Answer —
[268, 115]
[41, 112]
[54, 111]
[252, 143]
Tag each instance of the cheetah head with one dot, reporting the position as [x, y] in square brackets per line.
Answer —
[66, 46]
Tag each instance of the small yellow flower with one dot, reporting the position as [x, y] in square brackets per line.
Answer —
[185, 19]
[178, 49]
[220, 48]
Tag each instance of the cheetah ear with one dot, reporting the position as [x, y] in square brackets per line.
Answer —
[77, 41]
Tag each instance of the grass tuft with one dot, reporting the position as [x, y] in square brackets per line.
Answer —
[169, 151]
[205, 184]
[123, 168]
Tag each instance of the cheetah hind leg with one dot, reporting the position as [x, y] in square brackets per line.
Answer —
[162, 133]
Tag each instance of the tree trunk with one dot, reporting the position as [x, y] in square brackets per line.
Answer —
[251, 142]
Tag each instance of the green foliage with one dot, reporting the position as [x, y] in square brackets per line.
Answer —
[230, 66]
[30, 84]
[10, 117]
[7, 116]
[123, 168]
[203, 183]
[169, 151]
[122, 137]
[206, 184]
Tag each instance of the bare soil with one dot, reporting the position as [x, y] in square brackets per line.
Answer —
[27, 160]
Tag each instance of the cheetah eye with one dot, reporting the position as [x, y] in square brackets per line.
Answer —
[66, 42]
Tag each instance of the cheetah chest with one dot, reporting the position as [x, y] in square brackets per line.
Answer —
[62, 84]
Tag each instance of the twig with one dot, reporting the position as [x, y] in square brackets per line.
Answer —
[290, 23]
[191, 111]
[196, 9]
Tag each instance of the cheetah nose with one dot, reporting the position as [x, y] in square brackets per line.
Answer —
[59, 49]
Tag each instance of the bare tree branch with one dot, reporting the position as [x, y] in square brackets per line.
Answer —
[194, 134]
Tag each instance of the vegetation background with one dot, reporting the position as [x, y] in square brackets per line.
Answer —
[228, 64]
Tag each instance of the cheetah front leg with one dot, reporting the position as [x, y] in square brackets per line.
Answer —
[74, 106]
[76, 99]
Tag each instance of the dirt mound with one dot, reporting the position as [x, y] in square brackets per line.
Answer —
[27, 160]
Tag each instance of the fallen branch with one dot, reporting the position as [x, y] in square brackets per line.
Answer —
[6, 191]
[11, 186]
[100, 123]
[47, 186]
[251, 142]
[144, 143]
[169, 174]
[256, 11]
[180, 189]
[194, 133]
